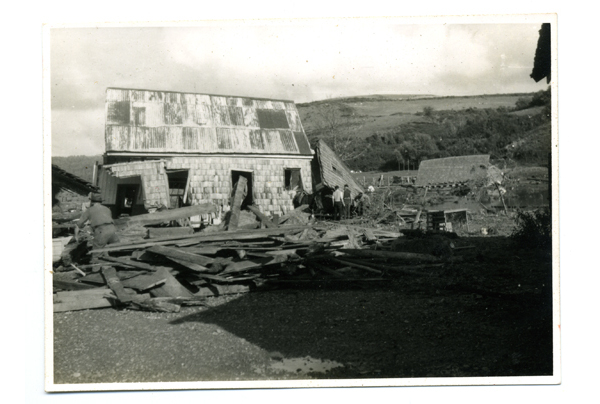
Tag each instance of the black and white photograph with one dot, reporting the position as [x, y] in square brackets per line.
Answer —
[330, 202]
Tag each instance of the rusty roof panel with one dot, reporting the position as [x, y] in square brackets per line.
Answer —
[174, 98]
[173, 113]
[115, 94]
[224, 139]
[256, 140]
[236, 115]
[250, 117]
[272, 141]
[118, 113]
[272, 119]
[221, 115]
[234, 101]
[277, 105]
[287, 140]
[248, 102]
[302, 143]
[294, 120]
[203, 114]
[217, 100]
[263, 104]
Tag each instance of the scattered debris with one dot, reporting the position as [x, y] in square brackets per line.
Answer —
[171, 267]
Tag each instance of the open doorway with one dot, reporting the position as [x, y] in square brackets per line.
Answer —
[178, 188]
[127, 195]
[235, 176]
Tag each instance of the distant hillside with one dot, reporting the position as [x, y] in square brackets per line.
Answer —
[391, 132]
[81, 166]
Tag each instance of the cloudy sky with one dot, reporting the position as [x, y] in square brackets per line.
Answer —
[302, 60]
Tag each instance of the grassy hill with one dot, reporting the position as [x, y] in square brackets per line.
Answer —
[387, 132]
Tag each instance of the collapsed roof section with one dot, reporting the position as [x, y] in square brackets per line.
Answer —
[455, 170]
[329, 170]
[63, 180]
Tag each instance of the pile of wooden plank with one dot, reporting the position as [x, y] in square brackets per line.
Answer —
[168, 269]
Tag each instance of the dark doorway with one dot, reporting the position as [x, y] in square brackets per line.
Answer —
[235, 176]
[126, 198]
[178, 187]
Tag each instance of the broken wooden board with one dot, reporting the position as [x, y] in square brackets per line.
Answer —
[171, 252]
[171, 287]
[239, 193]
[166, 215]
[130, 263]
[144, 282]
[154, 304]
[85, 299]
[298, 212]
[114, 283]
[98, 279]
[219, 290]
[203, 237]
[264, 219]
[327, 270]
[390, 254]
[357, 265]
[248, 264]
[158, 232]
[191, 265]
[70, 285]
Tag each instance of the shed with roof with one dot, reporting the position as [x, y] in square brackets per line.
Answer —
[170, 149]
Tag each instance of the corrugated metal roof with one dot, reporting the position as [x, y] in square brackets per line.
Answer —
[155, 121]
[451, 170]
[62, 179]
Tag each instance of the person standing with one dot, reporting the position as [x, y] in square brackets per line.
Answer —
[338, 203]
[100, 218]
[347, 201]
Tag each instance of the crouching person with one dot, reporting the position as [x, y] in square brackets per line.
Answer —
[100, 218]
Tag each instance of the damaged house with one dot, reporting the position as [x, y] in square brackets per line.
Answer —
[330, 171]
[171, 149]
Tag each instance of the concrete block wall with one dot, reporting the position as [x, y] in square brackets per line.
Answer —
[210, 179]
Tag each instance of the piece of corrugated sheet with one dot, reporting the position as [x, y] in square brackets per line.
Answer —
[218, 100]
[294, 120]
[272, 119]
[173, 113]
[250, 117]
[287, 140]
[115, 94]
[302, 142]
[117, 112]
[263, 104]
[256, 140]
[236, 116]
[234, 102]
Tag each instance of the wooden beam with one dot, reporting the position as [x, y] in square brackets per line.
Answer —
[294, 213]
[130, 263]
[114, 283]
[391, 254]
[144, 282]
[158, 232]
[171, 287]
[177, 253]
[356, 265]
[245, 265]
[262, 217]
[166, 215]
[239, 193]
[202, 237]
[70, 285]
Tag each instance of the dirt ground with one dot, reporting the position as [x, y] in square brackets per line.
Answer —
[489, 315]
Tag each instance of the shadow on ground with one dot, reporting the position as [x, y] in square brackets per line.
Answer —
[490, 315]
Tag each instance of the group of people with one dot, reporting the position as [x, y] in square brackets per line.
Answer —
[344, 205]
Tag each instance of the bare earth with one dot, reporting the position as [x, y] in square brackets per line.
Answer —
[489, 315]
